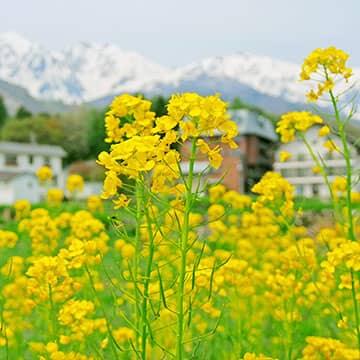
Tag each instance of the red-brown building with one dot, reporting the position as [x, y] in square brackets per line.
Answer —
[244, 166]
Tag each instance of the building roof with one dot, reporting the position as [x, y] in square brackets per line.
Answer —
[31, 149]
[250, 123]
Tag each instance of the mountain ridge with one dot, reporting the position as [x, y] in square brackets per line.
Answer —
[93, 73]
[15, 96]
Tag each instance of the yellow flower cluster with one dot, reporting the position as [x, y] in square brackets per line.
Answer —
[17, 307]
[83, 285]
[123, 335]
[274, 189]
[198, 115]
[42, 230]
[346, 254]
[128, 116]
[51, 351]
[8, 239]
[318, 348]
[44, 174]
[22, 208]
[13, 267]
[94, 203]
[339, 186]
[127, 251]
[75, 183]
[74, 316]
[39, 282]
[214, 155]
[327, 64]
[138, 155]
[331, 146]
[293, 122]
[284, 156]
[143, 144]
[87, 241]
[54, 197]
[324, 131]
[264, 269]
[49, 280]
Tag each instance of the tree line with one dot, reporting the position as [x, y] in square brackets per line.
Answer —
[81, 132]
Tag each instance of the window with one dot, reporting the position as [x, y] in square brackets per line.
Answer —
[301, 157]
[339, 170]
[10, 160]
[315, 189]
[331, 170]
[289, 172]
[47, 161]
[301, 172]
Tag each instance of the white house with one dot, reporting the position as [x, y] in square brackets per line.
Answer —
[18, 165]
[298, 169]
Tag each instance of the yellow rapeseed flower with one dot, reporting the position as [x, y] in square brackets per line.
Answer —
[75, 183]
[284, 156]
[44, 174]
[293, 122]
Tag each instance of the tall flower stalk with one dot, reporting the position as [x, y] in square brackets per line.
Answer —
[328, 68]
[143, 148]
[183, 245]
[341, 126]
[138, 219]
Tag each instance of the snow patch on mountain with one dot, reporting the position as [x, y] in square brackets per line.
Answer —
[85, 72]
[79, 73]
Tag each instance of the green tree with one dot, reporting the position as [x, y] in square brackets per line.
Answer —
[96, 133]
[3, 112]
[46, 131]
[68, 131]
[22, 113]
[159, 105]
[74, 135]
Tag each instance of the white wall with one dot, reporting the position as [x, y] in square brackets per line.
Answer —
[26, 187]
[90, 188]
[28, 163]
[298, 169]
[6, 194]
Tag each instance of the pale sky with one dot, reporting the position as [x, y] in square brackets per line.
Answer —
[176, 32]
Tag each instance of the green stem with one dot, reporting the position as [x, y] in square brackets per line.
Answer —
[144, 316]
[290, 322]
[108, 327]
[340, 124]
[323, 173]
[52, 314]
[183, 254]
[351, 231]
[138, 194]
[356, 308]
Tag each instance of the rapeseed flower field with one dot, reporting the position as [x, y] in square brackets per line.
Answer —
[168, 265]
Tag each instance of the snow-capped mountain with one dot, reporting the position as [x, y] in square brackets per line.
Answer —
[94, 73]
[263, 74]
[80, 73]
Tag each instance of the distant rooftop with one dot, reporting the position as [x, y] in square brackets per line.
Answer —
[31, 149]
[250, 123]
